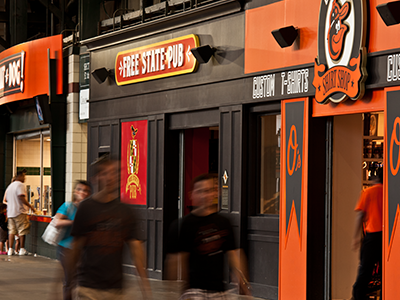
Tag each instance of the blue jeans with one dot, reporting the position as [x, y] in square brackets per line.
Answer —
[371, 253]
[69, 281]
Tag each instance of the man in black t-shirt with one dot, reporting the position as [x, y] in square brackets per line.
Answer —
[205, 236]
[101, 227]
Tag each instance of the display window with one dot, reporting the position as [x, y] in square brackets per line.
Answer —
[32, 153]
[373, 132]
[270, 164]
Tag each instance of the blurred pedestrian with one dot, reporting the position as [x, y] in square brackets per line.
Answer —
[17, 212]
[205, 236]
[64, 219]
[369, 216]
[3, 229]
[101, 227]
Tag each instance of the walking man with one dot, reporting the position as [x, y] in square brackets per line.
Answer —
[369, 213]
[205, 236]
[101, 227]
[17, 212]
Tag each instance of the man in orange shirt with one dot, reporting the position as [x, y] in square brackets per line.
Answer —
[369, 213]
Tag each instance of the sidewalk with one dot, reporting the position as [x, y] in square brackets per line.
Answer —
[39, 278]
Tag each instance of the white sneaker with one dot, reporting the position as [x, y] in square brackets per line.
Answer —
[10, 251]
[22, 251]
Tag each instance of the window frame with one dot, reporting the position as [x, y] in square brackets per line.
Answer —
[254, 161]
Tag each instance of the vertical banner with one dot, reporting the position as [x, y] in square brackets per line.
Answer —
[293, 214]
[134, 162]
[391, 200]
[84, 80]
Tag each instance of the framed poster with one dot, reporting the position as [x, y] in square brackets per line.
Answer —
[134, 162]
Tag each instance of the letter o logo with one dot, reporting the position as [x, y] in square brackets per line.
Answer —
[292, 144]
[394, 139]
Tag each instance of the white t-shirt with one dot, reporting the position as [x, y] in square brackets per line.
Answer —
[14, 205]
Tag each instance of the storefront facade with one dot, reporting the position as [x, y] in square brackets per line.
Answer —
[37, 133]
[289, 157]
[354, 62]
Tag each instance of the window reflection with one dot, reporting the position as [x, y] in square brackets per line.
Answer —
[270, 164]
[32, 152]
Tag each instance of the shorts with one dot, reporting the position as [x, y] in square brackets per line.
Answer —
[85, 293]
[19, 225]
[198, 294]
[3, 236]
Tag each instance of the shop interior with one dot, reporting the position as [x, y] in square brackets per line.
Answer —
[32, 152]
[357, 155]
[270, 164]
[200, 156]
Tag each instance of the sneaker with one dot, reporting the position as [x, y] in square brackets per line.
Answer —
[4, 253]
[11, 251]
[22, 251]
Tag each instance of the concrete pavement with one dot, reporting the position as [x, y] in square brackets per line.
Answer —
[39, 278]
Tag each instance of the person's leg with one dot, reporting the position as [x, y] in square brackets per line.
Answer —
[3, 238]
[368, 259]
[21, 243]
[23, 229]
[65, 257]
[12, 230]
[85, 293]
[10, 240]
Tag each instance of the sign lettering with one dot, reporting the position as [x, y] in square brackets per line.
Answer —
[282, 84]
[12, 74]
[393, 67]
[169, 58]
[394, 140]
[340, 67]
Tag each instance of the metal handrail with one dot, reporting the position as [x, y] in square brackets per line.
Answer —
[122, 16]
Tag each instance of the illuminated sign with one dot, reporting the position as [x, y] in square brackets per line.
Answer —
[12, 74]
[340, 68]
[164, 59]
[24, 70]
[134, 162]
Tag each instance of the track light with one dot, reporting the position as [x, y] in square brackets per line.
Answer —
[101, 74]
[285, 36]
[390, 12]
[203, 53]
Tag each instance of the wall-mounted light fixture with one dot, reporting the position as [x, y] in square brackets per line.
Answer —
[101, 74]
[203, 53]
[390, 12]
[285, 36]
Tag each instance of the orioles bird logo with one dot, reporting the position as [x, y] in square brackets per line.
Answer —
[337, 29]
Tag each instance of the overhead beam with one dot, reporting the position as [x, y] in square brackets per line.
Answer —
[32, 17]
[4, 17]
[58, 13]
[18, 21]
[4, 43]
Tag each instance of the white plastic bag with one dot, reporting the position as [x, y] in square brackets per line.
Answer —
[53, 235]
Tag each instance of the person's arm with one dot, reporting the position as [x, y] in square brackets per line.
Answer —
[61, 220]
[241, 279]
[23, 200]
[77, 246]
[171, 266]
[183, 258]
[355, 245]
[4, 198]
[139, 258]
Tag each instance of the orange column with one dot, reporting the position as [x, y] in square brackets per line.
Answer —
[391, 200]
[293, 214]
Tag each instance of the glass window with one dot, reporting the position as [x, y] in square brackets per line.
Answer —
[32, 152]
[270, 164]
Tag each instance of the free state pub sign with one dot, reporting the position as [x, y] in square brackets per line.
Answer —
[163, 59]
